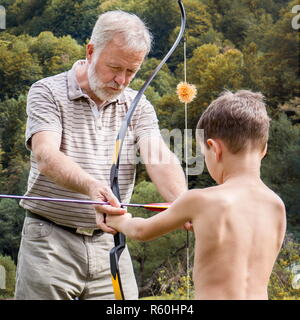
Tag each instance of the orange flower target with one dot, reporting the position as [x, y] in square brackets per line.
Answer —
[186, 92]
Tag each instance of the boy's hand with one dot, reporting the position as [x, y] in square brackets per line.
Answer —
[117, 222]
[188, 226]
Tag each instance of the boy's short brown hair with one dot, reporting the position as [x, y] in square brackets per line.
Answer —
[240, 119]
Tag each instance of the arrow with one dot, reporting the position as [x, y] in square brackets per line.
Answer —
[151, 206]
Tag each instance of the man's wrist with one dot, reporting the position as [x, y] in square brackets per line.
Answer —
[93, 185]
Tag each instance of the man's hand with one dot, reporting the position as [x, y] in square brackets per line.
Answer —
[102, 193]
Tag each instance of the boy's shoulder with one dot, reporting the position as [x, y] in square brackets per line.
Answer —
[206, 194]
[205, 197]
[275, 199]
[224, 196]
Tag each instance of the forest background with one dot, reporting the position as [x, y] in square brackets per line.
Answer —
[231, 44]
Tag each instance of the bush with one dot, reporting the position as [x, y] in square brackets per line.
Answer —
[10, 277]
[281, 283]
[175, 283]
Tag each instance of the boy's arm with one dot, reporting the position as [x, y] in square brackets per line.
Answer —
[181, 210]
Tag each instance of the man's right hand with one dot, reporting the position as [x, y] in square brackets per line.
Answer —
[102, 193]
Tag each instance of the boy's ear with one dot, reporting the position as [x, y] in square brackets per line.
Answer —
[265, 150]
[216, 147]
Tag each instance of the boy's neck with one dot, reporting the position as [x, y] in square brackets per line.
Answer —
[244, 167]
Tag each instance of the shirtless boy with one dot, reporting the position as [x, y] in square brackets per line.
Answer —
[239, 224]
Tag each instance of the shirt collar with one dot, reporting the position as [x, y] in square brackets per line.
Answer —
[74, 90]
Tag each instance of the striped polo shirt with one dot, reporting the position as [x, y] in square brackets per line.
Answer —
[88, 135]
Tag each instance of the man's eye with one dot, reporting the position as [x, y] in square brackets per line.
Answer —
[114, 68]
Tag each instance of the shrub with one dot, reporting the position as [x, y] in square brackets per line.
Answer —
[10, 277]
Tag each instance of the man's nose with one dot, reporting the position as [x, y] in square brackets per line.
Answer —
[120, 78]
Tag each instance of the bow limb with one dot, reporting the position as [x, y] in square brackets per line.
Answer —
[119, 238]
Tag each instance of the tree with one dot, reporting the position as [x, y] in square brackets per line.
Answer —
[281, 168]
[11, 222]
[164, 82]
[19, 12]
[198, 31]
[292, 110]
[24, 60]
[18, 68]
[10, 277]
[212, 71]
[54, 54]
[68, 17]
[232, 18]
[282, 282]
[277, 57]
[15, 157]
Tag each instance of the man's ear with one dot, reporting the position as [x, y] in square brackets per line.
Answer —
[89, 52]
[216, 147]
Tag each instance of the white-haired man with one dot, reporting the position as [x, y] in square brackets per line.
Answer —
[73, 118]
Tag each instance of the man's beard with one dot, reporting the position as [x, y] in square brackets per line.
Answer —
[99, 88]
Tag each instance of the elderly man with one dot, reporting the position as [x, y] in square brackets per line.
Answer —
[73, 118]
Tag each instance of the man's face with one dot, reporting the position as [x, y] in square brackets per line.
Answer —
[112, 71]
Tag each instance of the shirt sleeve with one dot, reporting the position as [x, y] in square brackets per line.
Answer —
[43, 113]
[147, 124]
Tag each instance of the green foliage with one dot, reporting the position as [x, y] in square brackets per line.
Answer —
[150, 93]
[68, 17]
[175, 283]
[24, 60]
[281, 168]
[10, 275]
[212, 70]
[18, 67]
[281, 286]
[164, 82]
[278, 59]
[199, 30]
[14, 159]
[54, 54]
[11, 221]
[292, 110]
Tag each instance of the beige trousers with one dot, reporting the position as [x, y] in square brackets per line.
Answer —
[56, 264]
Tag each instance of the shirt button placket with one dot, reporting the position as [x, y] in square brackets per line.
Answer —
[98, 124]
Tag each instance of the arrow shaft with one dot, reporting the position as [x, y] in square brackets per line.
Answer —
[90, 202]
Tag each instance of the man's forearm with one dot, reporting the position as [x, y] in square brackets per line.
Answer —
[163, 168]
[169, 179]
[65, 172]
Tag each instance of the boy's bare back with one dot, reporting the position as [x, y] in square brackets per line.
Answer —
[239, 230]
